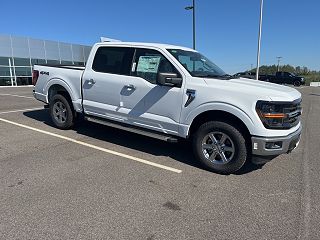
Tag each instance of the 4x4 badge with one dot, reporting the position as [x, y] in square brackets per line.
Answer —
[43, 72]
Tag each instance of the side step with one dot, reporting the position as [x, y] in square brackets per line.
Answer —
[133, 129]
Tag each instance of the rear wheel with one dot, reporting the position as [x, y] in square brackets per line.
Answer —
[61, 112]
[220, 147]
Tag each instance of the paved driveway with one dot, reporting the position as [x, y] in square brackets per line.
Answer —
[95, 182]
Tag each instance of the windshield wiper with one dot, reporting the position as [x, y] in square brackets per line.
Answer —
[227, 76]
[224, 76]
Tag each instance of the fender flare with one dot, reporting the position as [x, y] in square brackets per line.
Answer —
[62, 83]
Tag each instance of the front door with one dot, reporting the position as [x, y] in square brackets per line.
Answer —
[144, 102]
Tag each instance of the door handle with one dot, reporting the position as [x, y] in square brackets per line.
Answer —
[91, 81]
[130, 87]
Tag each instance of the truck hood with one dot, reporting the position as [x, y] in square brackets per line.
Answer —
[260, 89]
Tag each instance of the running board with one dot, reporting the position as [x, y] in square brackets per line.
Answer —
[132, 129]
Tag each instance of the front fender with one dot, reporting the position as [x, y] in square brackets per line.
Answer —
[219, 106]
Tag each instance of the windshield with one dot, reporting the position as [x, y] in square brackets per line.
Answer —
[197, 64]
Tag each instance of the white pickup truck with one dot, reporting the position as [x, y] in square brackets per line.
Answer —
[170, 92]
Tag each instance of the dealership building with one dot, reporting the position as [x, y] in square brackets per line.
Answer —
[19, 54]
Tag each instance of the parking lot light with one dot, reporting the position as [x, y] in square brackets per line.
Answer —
[193, 21]
[259, 40]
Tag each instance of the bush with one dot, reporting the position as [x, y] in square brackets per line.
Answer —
[311, 78]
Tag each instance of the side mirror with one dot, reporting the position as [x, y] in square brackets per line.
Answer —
[169, 79]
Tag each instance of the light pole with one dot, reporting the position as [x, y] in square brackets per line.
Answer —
[279, 59]
[193, 8]
[259, 40]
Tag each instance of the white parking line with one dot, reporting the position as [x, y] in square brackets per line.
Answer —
[94, 147]
[24, 86]
[14, 95]
[22, 110]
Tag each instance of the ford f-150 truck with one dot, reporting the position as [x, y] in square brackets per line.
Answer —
[283, 77]
[170, 93]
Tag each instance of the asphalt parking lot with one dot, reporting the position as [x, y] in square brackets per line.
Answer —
[96, 182]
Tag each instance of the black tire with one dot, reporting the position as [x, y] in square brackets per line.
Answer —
[297, 83]
[235, 140]
[63, 118]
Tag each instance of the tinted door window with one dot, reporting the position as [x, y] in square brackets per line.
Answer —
[148, 63]
[116, 60]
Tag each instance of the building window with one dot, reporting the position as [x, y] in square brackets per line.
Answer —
[4, 61]
[24, 81]
[79, 63]
[4, 71]
[37, 61]
[23, 71]
[21, 61]
[5, 81]
[66, 63]
[53, 62]
[19, 54]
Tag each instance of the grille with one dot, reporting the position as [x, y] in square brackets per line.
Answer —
[293, 110]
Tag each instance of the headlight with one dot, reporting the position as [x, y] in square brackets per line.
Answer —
[275, 115]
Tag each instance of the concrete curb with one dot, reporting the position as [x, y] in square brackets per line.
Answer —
[315, 84]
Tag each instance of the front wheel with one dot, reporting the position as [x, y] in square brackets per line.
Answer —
[61, 112]
[297, 83]
[220, 147]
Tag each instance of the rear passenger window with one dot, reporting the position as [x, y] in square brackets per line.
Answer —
[148, 63]
[116, 60]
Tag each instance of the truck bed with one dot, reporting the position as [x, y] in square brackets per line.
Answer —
[67, 76]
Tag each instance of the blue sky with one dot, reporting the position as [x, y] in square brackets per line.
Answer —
[227, 30]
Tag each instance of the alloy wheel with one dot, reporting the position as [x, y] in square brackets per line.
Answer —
[218, 148]
[59, 112]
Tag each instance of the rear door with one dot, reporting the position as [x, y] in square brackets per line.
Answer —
[104, 81]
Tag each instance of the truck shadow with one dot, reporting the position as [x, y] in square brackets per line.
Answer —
[181, 151]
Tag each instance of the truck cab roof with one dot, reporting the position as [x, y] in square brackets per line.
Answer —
[142, 44]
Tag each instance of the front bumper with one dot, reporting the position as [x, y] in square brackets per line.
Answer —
[274, 146]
